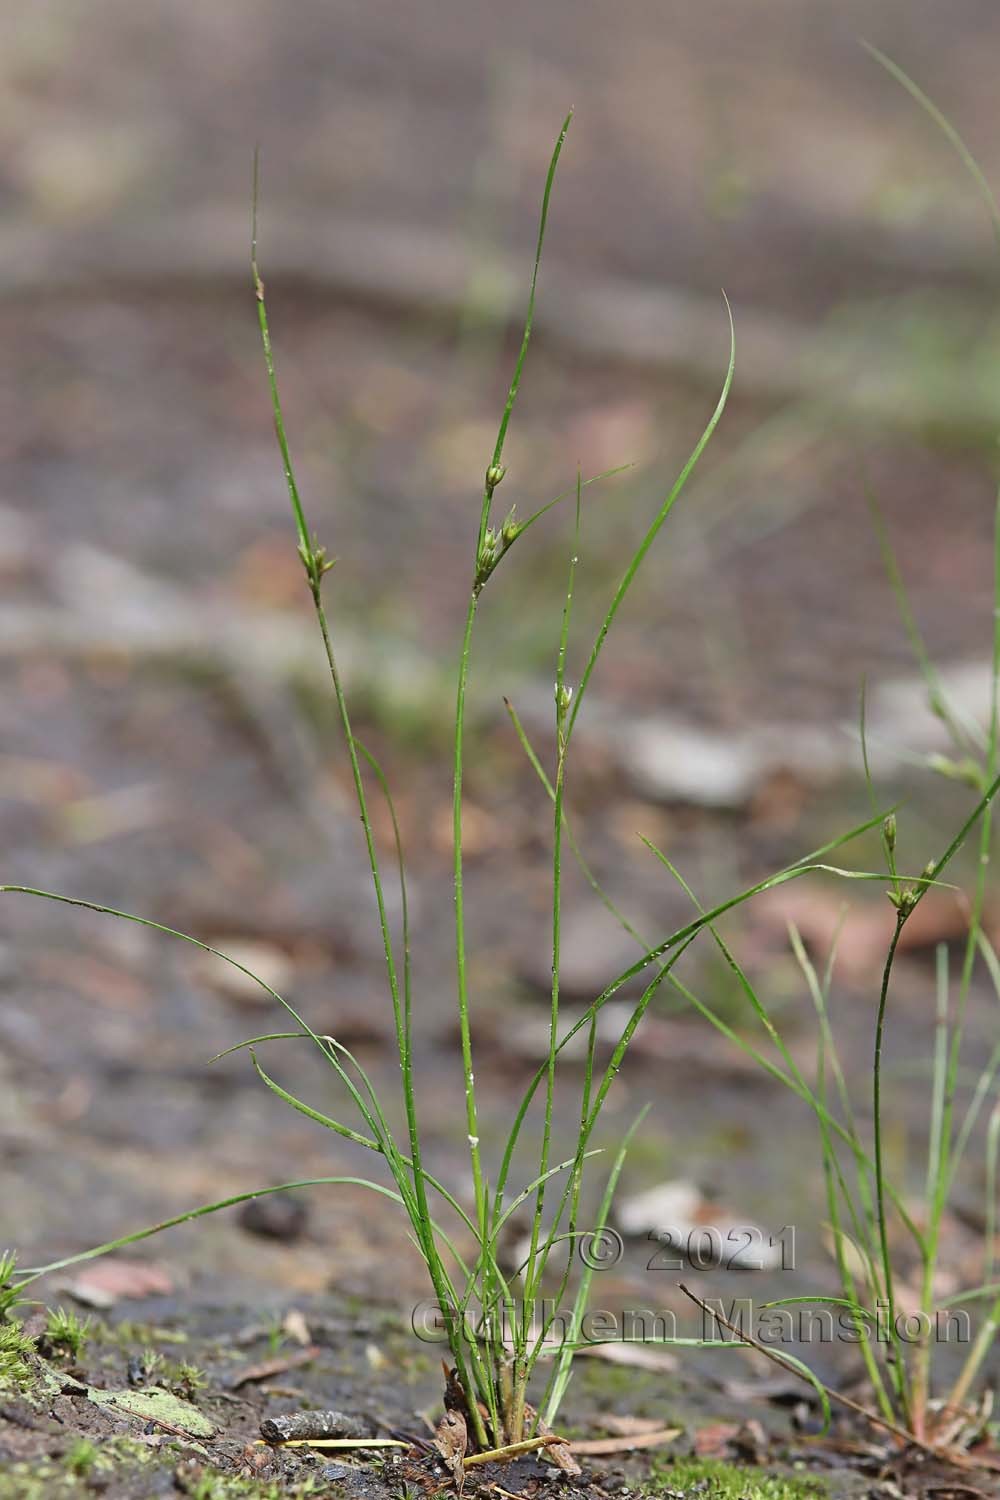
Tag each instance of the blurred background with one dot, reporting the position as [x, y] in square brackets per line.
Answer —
[167, 738]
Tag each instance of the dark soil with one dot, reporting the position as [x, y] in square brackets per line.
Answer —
[201, 1381]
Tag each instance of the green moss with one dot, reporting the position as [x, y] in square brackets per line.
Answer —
[82, 1457]
[186, 1379]
[642, 1392]
[38, 1481]
[74, 1473]
[180, 1376]
[129, 1334]
[16, 1372]
[707, 1479]
[153, 1403]
[211, 1485]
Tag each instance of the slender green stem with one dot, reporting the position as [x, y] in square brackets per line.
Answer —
[935, 1138]
[405, 1035]
[992, 1160]
[982, 869]
[792, 1080]
[471, 1115]
[948, 1146]
[946, 1166]
[534, 1268]
[910, 900]
[888, 1280]
[611, 1071]
[920, 1384]
[833, 1177]
[556, 1386]
[678, 941]
[982, 1344]
[488, 550]
[529, 319]
[581, 860]
[316, 565]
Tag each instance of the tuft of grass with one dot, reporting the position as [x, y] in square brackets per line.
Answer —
[16, 1373]
[904, 1386]
[214, 1485]
[488, 1319]
[127, 1333]
[875, 1224]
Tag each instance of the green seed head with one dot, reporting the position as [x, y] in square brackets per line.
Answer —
[490, 553]
[510, 529]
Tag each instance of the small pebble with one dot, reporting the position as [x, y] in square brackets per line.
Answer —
[280, 1216]
[333, 1471]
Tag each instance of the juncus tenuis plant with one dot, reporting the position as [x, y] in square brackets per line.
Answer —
[877, 1227]
[487, 1314]
[496, 1324]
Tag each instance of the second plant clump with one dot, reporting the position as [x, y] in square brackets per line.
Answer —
[496, 1322]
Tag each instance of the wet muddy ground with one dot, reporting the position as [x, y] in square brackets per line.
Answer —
[158, 762]
[171, 1397]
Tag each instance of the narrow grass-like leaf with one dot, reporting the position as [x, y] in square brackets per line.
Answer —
[560, 1377]
[584, 484]
[860, 1213]
[676, 943]
[656, 526]
[32, 1272]
[314, 1114]
[946, 128]
[992, 1163]
[939, 1076]
[578, 855]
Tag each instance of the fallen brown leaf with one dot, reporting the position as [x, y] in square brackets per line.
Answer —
[102, 1285]
[638, 1356]
[280, 1365]
[715, 1440]
[451, 1441]
[657, 1439]
[627, 1426]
